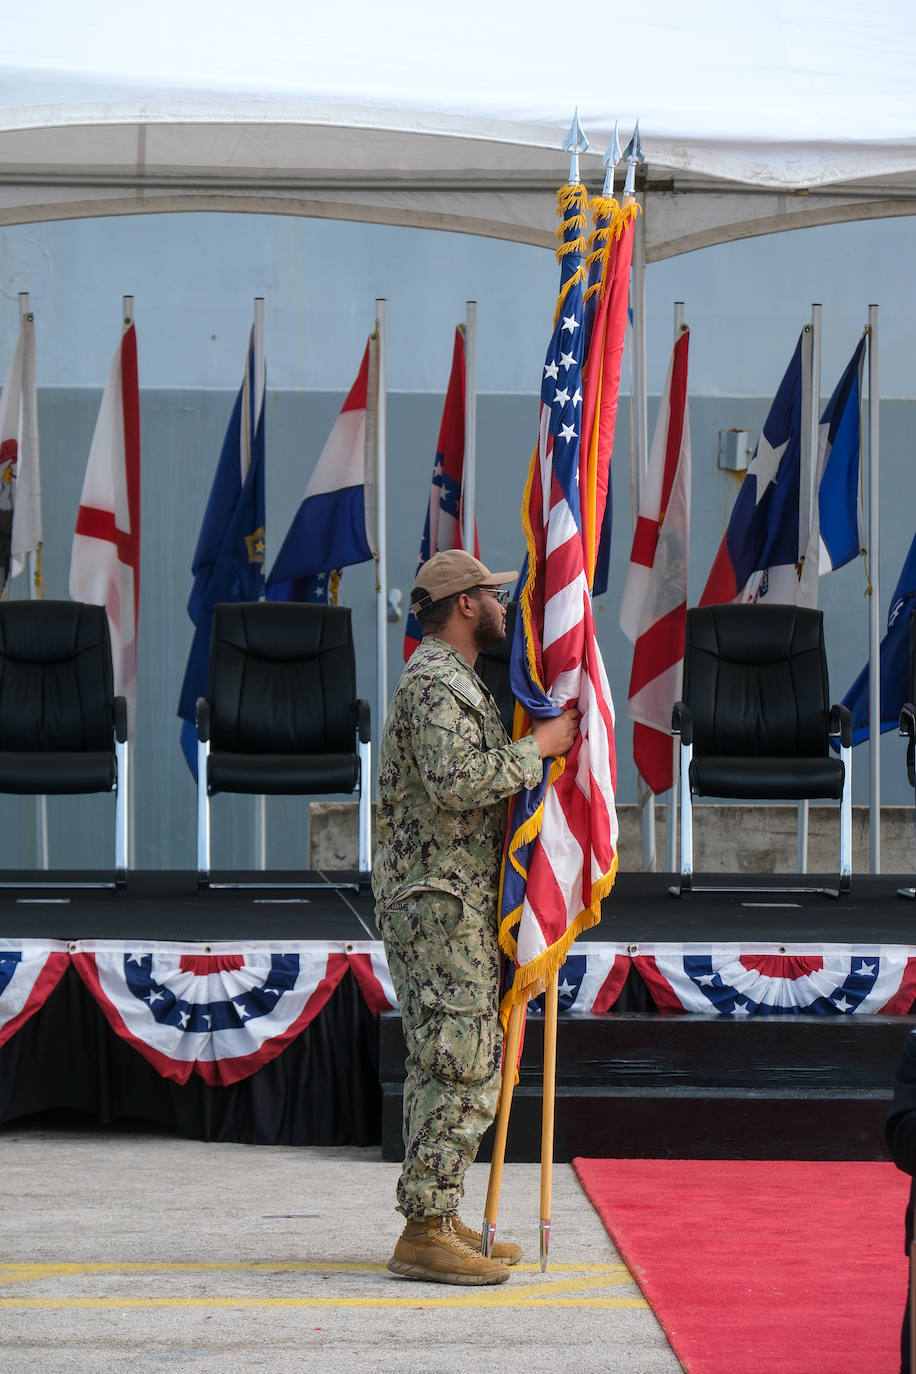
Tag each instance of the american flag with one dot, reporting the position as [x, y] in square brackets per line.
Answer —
[561, 846]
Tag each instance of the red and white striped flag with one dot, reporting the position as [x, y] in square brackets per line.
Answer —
[105, 560]
[653, 610]
[561, 848]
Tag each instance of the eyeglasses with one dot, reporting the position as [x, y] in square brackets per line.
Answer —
[501, 594]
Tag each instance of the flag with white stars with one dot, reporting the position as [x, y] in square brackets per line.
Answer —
[760, 557]
[561, 848]
[222, 1010]
[736, 981]
[442, 529]
[229, 559]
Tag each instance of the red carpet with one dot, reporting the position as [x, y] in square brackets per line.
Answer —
[770, 1267]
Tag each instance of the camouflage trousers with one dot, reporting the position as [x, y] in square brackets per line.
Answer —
[444, 961]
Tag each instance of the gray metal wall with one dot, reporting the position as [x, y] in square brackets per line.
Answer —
[182, 432]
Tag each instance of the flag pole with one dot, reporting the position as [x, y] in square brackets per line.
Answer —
[645, 797]
[260, 823]
[469, 471]
[808, 516]
[551, 1003]
[874, 628]
[381, 522]
[497, 1159]
[41, 803]
[671, 802]
[127, 318]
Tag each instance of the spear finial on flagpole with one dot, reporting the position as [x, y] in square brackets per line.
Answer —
[610, 160]
[575, 143]
[633, 153]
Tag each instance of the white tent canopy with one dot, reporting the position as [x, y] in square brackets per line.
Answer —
[752, 120]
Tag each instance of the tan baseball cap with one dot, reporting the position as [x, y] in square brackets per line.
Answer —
[450, 572]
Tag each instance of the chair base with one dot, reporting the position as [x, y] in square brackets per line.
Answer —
[908, 892]
[687, 890]
[117, 885]
[206, 884]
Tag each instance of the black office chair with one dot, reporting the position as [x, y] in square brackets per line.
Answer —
[755, 721]
[281, 715]
[62, 729]
[492, 667]
[908, 728]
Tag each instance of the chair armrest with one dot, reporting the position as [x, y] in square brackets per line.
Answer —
[682, 722]
[120, 719]
[363, 721]
[841, 724]
[203, 719]
[908, 728]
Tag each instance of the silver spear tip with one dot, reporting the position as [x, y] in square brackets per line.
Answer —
[610, 160]
[574, 143]
[633, 153]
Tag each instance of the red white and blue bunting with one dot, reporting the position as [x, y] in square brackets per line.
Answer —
[224, 1010]
[30, 970]
[768, 980]
[221, 1010]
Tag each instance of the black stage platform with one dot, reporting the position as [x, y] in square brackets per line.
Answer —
[639, 910]
[630, 1081]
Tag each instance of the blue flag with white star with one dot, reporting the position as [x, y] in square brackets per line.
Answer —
[760, 554]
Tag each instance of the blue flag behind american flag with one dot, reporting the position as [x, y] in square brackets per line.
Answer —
[561, 845]
[895, 660]
[760, 554]
[334, 526]
[229, 558]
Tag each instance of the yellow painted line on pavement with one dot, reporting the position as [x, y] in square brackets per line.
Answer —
[581, 1287]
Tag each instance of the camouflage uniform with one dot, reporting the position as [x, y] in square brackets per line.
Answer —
[446, 768]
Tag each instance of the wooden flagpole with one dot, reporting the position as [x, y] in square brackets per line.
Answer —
[510, 1061]
[551, 1003]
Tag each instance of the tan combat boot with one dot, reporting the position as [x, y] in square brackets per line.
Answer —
[505, 1251]
[431, 1248]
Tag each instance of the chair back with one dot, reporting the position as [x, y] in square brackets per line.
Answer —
[755, 679]
[492, 667]
[282, 679]
[56, 682]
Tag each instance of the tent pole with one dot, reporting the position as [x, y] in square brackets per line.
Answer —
[260, 803]
[808, 515]
[41, 803]
[469, 473]
[381, 523]
[640, 413]
[874, 628]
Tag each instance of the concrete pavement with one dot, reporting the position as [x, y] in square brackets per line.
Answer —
[142, 1251]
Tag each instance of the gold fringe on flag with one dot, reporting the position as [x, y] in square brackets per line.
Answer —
[572, 202]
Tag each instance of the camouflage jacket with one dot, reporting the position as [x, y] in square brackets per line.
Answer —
[446, 768]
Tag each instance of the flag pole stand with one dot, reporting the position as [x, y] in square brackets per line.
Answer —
[551, 1003]
[510, 1060]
